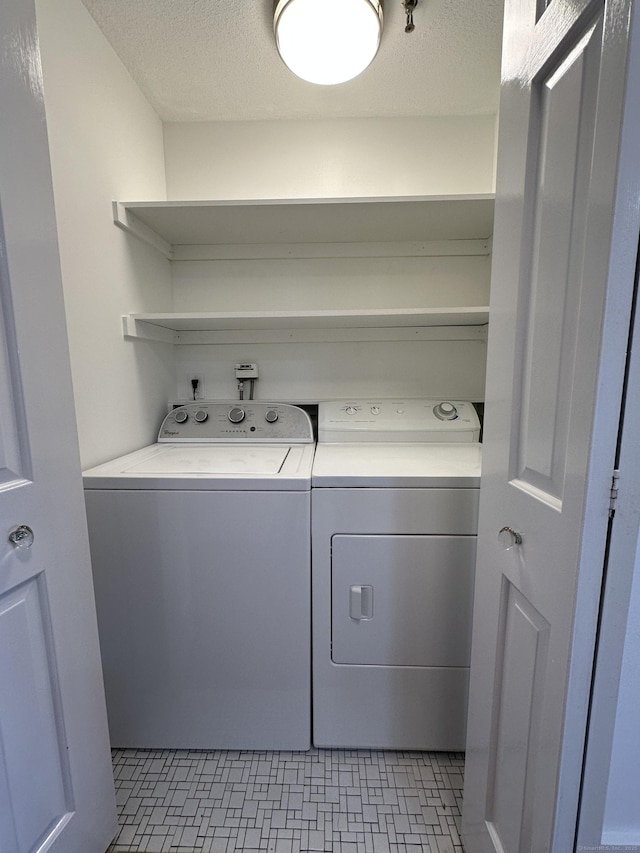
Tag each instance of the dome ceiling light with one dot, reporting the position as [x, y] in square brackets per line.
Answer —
[327, 41]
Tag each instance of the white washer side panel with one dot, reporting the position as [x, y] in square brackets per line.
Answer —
[378, 706]
[204, 615]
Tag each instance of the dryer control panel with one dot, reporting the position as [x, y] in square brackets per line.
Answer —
[398, 420]
[242, 421]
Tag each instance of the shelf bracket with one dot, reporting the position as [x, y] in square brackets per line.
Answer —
[138, 330]
[126, 220]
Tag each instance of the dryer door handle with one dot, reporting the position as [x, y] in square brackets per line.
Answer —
[361, 602]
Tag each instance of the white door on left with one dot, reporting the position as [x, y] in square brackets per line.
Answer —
[56, 787]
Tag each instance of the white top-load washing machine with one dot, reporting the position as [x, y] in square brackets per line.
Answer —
[394, 522]
[201, 557]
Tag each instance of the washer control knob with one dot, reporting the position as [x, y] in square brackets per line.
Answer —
[236, 415]
[271, 416]
[445, 411]
[180, 416]
[351, 410]
[375, 410]
[201, 416]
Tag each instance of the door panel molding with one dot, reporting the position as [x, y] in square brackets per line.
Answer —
[31, 723]
[15, 462]
[563, 111]
[521, 664]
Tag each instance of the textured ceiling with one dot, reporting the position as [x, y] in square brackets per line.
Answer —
[207, 60]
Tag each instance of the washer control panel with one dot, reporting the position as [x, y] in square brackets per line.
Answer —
[398, 420]
[246, 421]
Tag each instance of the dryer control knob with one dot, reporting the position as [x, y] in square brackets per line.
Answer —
[201, 416]
[351, 410]
[236, 415]
[445, 411]
[180, 416]
[271, 416]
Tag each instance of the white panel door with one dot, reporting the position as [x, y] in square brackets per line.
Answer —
[56, 788]
[561, 295]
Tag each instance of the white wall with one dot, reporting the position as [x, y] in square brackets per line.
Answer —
[324, 159]
[106, 143]
[339, 158]
[313, 371]
[331, 283]
[622, 811]
[309, 369]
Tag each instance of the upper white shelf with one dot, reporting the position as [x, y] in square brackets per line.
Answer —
[366, 317]
[168, 224]
[281, 325]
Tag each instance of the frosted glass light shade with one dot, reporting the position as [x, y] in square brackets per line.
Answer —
[327, 41]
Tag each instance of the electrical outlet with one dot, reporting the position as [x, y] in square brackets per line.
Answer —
[198, 393]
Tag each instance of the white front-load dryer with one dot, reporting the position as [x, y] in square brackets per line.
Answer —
[394, 522]
[200, 547]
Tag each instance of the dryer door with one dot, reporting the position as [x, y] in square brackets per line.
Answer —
[402, 600]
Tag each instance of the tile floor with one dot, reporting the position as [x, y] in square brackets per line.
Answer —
[342, 801]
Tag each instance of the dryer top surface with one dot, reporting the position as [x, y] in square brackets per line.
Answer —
[394, 465]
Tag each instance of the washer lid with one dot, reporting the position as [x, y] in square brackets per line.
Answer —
[391, 465]
[211, 459]
[193, 467]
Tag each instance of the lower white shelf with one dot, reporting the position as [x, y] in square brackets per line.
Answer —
[177, 327]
